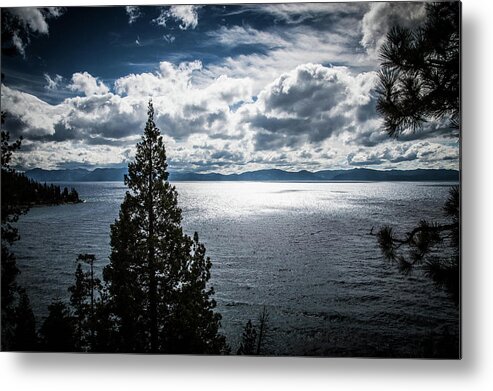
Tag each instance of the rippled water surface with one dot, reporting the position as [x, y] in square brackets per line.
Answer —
[301, 249]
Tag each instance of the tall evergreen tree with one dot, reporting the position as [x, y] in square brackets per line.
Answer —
[57, 331]
[248, 340]
[17, 317]
[157, 275]
[83, 302]
[24, 338]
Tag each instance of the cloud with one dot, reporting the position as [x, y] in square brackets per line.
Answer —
[188, 107]
[301, 120]
[25, 21]
[382, 16]
[373, 133]
[36, 19]
[169, 38]
[273, 100]
[100, 117]
[52, 84]
[133, 13]
[295, 13]
[19, 44]
[86, 83]
[31, 115]
[421, 154]
[283, 49]
[308, 104]
[185, 15]
[246, 35]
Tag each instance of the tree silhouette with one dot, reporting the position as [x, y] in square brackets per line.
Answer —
[422, 246]
[17, 318]
[254, 337]
[25, 337]
[157, 277]
[420, 72]
[57, 331]
[248, 341]
[83, 302]
[263, 321]
[420, 80]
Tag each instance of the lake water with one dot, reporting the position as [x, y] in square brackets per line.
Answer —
[302, 250]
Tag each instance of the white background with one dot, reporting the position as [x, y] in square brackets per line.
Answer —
[474, 372]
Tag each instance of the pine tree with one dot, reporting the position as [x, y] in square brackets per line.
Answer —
[83, 297]
[57, 331]
[24, 338]
[420, 72]
[157, 275]
[12, 294]
[249, 340]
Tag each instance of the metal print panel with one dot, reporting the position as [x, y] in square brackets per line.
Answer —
[249, 179]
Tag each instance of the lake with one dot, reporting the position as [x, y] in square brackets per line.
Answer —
[302, 250]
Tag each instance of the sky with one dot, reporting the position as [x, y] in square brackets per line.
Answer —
[235, 87]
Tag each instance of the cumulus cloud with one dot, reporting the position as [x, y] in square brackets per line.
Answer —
[88, 84]
[382, 16]
[100, 117]
[133, 13]
[309, 104]
[28, 115]
[187, 107]
[35, 19]
[185, 15]
[304, 119]
[423, 153]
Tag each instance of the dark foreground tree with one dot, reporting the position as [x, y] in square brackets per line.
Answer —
[248, 343]
[433, 245]
[420, 81]
[57, 331]
[158, 276]
[419, 77]
[84, 298]
[25, 337]
[254, 336]
[17, 317]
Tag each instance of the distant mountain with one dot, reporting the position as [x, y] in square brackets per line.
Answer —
[40, 175]
[363, 174]
[356, 174]
[105, 175]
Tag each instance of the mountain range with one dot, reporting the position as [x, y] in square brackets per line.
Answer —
[356, 174]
